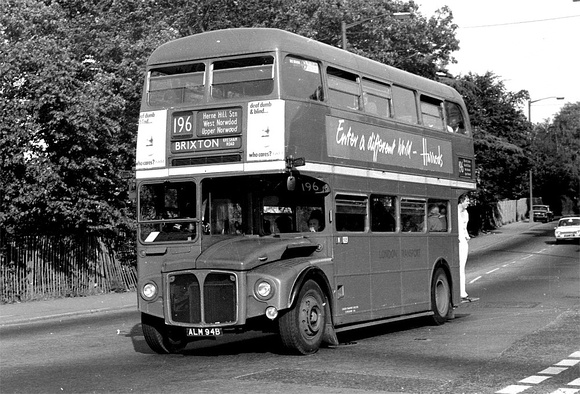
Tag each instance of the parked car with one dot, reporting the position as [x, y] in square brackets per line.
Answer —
[568, 229]
[542, 213]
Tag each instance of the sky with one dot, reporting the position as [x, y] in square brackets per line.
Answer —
[531, 45]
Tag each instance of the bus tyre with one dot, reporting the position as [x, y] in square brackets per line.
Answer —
[157, 336]
[440, 297]
[302, 327]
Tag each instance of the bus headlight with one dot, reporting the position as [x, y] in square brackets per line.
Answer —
[149, 291]
[264, 290]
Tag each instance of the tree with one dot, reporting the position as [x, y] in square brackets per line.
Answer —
[555, 147]
[71, 80]
[70, 90]
[419, 45]
[500, 132]
[501, 141]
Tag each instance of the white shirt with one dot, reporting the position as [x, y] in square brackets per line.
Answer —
[463, 216]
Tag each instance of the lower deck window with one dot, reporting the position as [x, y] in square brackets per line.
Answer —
[412, 215]
[437, 215]
[383, 213]
[351, 213]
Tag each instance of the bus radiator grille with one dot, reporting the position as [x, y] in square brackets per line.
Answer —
[219, 297]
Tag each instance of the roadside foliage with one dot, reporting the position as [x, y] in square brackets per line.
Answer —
[71, 76]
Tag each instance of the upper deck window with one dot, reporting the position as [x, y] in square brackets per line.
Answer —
[176, 84]
[343, 88]
[404, 104]
[432, 112]
[376, 98]
[243, 77]
[301, 79]
[454, 118]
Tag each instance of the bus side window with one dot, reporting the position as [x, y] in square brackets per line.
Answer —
[412, 215]
[404, 105]
[383, 213]
[301, 79]
[437, 215]
[454, 118]
[432, 112]
[343, 89]
[351, 213]
[376, 98]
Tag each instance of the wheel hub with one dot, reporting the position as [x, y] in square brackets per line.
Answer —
[311, 321]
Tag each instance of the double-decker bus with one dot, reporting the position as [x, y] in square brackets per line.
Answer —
[288, 186]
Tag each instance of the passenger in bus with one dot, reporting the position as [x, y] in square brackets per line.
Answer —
[455, 125]
[369, 106]
[316, 221]
[383, 219]
[266, 227]
[443, 217]
[284, 224]
[433, 220]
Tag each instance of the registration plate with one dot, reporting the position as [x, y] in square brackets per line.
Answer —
[204, 332]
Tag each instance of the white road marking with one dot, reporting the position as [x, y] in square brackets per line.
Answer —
[568, 363]
[557, 368]
[513, 389]
[553, 370]
[565, 391]
[534, 379]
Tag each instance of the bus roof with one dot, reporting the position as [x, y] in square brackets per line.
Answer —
[241, 41]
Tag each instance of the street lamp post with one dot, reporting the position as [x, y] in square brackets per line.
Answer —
[530, 102]
[345, 26]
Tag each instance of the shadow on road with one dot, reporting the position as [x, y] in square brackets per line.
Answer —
[254, 342]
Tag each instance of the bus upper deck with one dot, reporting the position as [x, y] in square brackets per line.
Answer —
[240, 97]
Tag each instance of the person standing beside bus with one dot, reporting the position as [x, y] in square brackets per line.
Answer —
[463, 219]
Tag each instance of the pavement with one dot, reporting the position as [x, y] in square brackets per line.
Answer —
[62, 308]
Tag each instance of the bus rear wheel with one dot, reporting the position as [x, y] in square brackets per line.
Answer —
[157, 335]
[440, 297]
[302, 327]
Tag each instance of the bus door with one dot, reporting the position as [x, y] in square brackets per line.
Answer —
[352, 260]
[415, 268]
[385, 257]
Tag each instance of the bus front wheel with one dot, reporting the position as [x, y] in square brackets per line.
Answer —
[157, 335]
[302, 327]
[440, 297]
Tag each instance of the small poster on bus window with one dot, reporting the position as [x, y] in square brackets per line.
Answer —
[151, 140]
[265, 130]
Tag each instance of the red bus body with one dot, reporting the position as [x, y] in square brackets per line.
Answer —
[247, 134]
